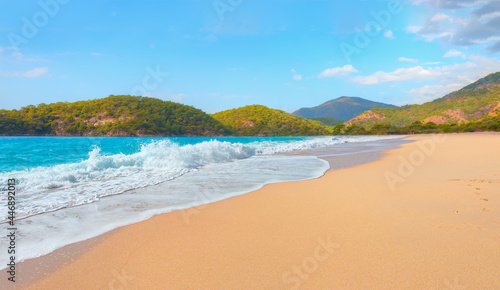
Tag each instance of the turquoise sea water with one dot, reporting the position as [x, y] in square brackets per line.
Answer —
[72, 189]
[27, 152]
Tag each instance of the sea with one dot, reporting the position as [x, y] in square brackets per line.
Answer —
[70, 189]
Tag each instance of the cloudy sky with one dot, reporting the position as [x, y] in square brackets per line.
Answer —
[221, 54]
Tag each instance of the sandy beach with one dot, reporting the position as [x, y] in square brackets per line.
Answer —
[426, 215]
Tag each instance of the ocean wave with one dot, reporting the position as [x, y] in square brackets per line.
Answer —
[49, 188]
[64, 185]
[44, 233]
[273, 147]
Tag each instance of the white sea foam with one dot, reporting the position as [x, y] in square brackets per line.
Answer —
[41, 234]
[51, 188]
[163, 176]
[273, 147]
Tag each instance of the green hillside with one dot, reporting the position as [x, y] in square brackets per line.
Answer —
[473, 103]
[343, 108]
[260, 120]
[111, 116]
[328, 121]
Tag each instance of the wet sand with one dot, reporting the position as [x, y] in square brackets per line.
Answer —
[423, 216]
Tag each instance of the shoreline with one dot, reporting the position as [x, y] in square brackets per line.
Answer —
[256, 199]
[366, 151]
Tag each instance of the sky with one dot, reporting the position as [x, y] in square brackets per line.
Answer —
[222, 54]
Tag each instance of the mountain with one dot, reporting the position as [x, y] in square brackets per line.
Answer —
[475, 102]
[343, 108]
[111, 116]
[260, 120]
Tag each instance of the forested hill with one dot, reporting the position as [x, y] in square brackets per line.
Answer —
[111, 116]
[260, 120]
[479, 101]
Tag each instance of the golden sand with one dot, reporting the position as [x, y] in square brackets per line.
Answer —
[424, 216]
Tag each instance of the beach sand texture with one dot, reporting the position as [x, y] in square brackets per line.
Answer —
[424, 216]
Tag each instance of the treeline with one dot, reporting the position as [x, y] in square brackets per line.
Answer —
[257, 120]
[111, 116]
[141, 116]
[328, 121]
[491, 124]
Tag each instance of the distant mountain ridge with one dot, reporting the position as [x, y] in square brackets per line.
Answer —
[344, 108]
[472, 103]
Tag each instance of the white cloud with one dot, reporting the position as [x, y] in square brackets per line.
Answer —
[18, 56]
[338, 71]
[34, 73]
[413, 28]
[454, 77]
[494, 48]
[37, 72]
[468, 27]
[399, 75]
[487, 11]
[440, 16]
[462, 73]
[431, 92]
[5, 48]
[296, 76]
[389, 34]
[404, 59]
[431, 29]
[453, 53]
[489, 15]
[448, 4]
[416, 2]
[95, 54]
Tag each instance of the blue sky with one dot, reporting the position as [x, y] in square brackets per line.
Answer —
[222, 54]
